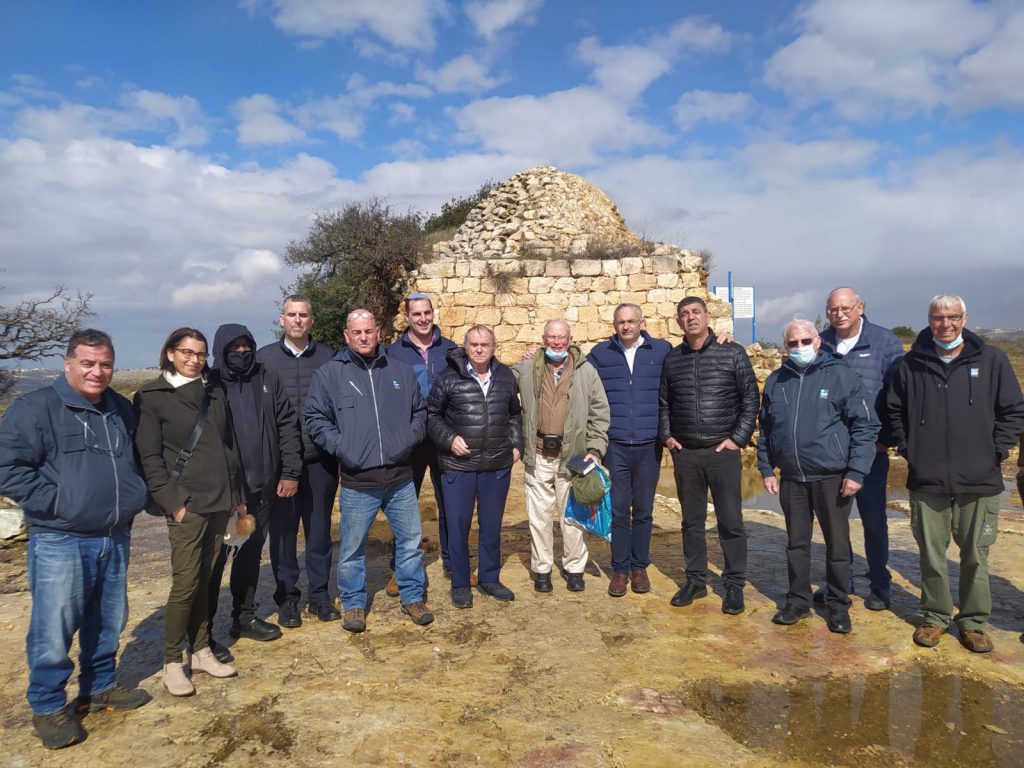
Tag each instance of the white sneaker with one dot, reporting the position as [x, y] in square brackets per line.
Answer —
[203, 660]
[176, 681]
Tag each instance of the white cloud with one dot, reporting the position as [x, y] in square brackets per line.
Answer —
[570, 127]
[248, 270]
[490, 17]
[464, 73]
[89, 83]
[695, 34]
[336, 115]
[900, 57]
[183, 111]
[706, 106]
[260, 122]
[401, 112]
[402, 23]
[624, 71]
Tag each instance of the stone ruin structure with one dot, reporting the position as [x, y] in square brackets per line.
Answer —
[547, 244]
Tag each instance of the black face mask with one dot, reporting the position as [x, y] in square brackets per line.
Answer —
[239, 363]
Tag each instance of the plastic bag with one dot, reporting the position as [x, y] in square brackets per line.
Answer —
[595, 518]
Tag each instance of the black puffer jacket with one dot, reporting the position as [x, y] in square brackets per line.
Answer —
[491, 426]
[707, 395]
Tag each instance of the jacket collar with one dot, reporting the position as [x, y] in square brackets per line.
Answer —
[72, 399]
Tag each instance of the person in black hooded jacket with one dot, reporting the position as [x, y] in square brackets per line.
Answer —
[475, 419]
[266, 430]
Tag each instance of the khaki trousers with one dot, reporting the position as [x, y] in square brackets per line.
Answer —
[547, 491]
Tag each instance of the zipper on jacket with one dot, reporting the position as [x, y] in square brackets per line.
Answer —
[696, 399]
[796, 420]
[376, 413]
[117, 482]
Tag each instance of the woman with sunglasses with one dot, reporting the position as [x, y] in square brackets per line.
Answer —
[198, 498]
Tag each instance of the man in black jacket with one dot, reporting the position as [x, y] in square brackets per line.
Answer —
[266, 431]
[294, 358]
[707, 411]
[955, 410]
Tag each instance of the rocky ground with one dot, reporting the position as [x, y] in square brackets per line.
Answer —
[566, 679]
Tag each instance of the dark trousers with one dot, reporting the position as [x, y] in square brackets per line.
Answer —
[801, 503]
[634, 471]
[245, 569]
[487, 491]
[696, 470]
[424, 457]
[313, 506]
[871, 507]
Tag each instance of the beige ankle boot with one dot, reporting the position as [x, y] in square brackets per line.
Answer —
[203, 660]
[176, 681]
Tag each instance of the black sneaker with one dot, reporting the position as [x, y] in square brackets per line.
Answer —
[574, 582]
[288, 615]
[113, 698]
[255, 629]
[790, 614]
[324, 610]
[221, 652]
[542, 582]
[497, 590]
[462, 597]
[732, 603]
[58, 730]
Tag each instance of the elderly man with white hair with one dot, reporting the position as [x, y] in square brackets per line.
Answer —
[819, 429]
[955, 410]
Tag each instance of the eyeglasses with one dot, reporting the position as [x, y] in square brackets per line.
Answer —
[191, 354]
[840, 310]
[945, 318]
[794, 343]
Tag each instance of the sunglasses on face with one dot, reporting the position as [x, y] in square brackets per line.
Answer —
[794, 343]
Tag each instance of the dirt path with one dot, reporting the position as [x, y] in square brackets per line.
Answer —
[562, 679]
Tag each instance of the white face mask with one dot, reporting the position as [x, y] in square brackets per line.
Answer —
[948, 345]
[555, 357]
[803, 356]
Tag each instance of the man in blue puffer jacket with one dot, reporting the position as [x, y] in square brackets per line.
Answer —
[629, 365]
[819, 429]
[364, 407]
[66, 456]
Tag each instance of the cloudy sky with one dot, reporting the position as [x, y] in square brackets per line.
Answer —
[161, 155]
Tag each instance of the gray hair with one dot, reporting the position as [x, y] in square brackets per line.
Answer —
[480, 328]
[798, 322]
[856, 296]
[947, 301]
[297, 298]
[557, 320]
[634, 307]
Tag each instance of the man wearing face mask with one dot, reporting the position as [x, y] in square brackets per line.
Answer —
[955, 410]
[565, 414]
[269, 442]
[819, 429]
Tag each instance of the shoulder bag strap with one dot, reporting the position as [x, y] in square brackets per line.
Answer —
[190, 445]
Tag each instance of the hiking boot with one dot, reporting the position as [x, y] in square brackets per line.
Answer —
[732, 603]
[688, 593]
[928, 635]
[790, 615]
[638, 581]
[542, 582]
[391, 590]
[419, 613]
[461, 597]
[354, 620]
[497, 590]
[288, 615]
[324, 610]
[176, 681]
[255, 629]
[113, 698]
[203, 660]
[58, 730]
[839, 621]
[618, 585]
[975, 641]
[574, 582]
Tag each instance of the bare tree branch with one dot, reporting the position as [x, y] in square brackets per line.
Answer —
[38, 328]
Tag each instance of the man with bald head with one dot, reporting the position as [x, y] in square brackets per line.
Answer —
[565, 414]
[871, 352]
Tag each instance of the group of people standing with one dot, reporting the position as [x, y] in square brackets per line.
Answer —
[267, 436]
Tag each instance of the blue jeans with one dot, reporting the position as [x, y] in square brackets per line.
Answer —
[78, 584]
[871, 507]
[487, 491]
[358, 509]
[634, 471]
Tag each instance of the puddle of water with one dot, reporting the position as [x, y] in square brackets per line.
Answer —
[917, 716]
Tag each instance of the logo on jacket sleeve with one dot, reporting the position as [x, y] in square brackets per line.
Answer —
[823, 393]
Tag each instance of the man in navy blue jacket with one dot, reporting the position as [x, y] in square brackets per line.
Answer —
[364, 407]
[66, 456]
[871, 351]
[629, 365]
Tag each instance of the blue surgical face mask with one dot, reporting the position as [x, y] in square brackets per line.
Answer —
[948, 345]
[555, 357]
[803, 356]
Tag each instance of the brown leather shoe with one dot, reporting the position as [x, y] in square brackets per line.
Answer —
[354, 620]
[391, 590]
[928, 635]
[639, 581]
[975, 640]
[618, 585]
[419, 613]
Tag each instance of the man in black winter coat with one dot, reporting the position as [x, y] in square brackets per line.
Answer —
[707, 411]
[294, 357]
[955, 410]
[266, 431]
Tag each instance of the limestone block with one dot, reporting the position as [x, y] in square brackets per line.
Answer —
[632, 297]
[669, 280]
[586, 267]
[589, 314]
[663, 264]
[563, 285]
[521, 300]
[571, 314]
[530, 334]
[578, 245]
[657, 327]
[621, 283]
[511, 352]
[597, 330]
[506, 265]
[431, 285]
[690, 280]
[551, 301]
[490, 316]
[12, 521]
[692, 263]
[477, 299]
[606, 313]
[452, 316]
[667, 309]
[478, 268]
[584, 283]
[579, 299]
[604, 284]
[611, 297]
[631, 265]
[515, 315]
[656, 295]
[533, 267]
[504, 332]
[611, 267]
[453, 285]
[648, 265]
[557, 268]
[471, 284]
[541, 285]
[642, 282]
[462, 268]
